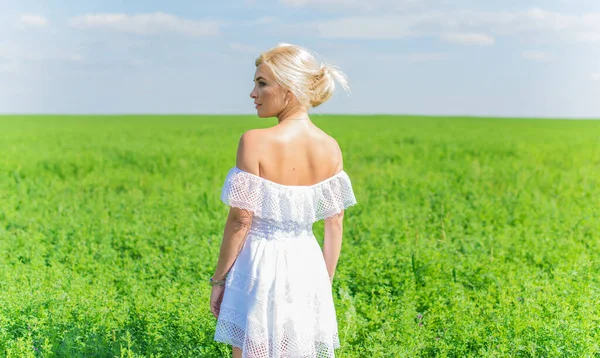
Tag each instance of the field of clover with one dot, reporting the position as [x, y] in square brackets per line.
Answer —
[472, 237]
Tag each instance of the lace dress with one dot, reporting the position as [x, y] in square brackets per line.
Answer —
[278, 300]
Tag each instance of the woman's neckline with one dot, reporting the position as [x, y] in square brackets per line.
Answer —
[291, 186]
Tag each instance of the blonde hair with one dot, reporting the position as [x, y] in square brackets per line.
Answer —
[296, 69]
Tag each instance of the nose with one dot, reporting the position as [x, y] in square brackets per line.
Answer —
[253, 93]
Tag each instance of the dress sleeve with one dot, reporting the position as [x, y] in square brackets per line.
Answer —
[335, 196]
[241, 191]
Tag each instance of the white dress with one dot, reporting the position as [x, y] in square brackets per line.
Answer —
[278, 300]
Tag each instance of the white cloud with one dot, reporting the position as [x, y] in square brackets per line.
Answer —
[595, 76]
[588, 36]
[468, 39]
[33, 20]
[303, 3]
[364, 28]
[21, 55]
[146, 24]
[534, 55]
[531, 23]
[138, 63]
[265, 20]
[71, 57]
[355, 5]
[425, 57]
[415, 57]
[236, 46]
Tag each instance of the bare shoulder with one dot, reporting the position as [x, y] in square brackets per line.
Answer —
[248, 149]
[251, 136]
[334, 149]
[337, 155]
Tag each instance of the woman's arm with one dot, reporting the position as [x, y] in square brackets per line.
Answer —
[234, 235]
[332, 242]
[334, 228]
[239, 220]
[233, 240]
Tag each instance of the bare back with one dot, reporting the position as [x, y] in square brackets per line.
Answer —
[298, 154]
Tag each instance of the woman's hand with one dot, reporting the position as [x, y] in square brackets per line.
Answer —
[216, 297]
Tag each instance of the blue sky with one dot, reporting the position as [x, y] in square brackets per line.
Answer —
[510, 58]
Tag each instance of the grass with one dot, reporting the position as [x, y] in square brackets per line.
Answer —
[472, 237]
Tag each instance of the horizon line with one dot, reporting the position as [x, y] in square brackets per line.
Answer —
[131, 114]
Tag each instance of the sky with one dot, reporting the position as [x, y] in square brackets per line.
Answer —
[517, 58]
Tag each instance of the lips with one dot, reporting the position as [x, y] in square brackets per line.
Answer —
[257, 105]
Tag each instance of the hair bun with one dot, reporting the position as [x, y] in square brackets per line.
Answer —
[324, 84]
[295, 68]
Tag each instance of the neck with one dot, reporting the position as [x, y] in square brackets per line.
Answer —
[292, 115]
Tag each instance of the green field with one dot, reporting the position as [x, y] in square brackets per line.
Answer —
[472, 237]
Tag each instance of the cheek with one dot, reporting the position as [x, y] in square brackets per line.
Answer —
[270, 96]
[267, 96]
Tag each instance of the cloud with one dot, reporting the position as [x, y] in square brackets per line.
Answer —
[236, 46]
[138, 63]
[33, 20]
[531, 23]
[355, 5]
[595, 76]
[425, 57]
[264, 20]
[358, 27]
[468, 39]
[588, 36]
[534, 55]
[21, 55]
[145, 24]
[415, 57]
[4, 64]
[303, 3]
[71, 57]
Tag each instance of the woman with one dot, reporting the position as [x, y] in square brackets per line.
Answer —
[271, 290]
